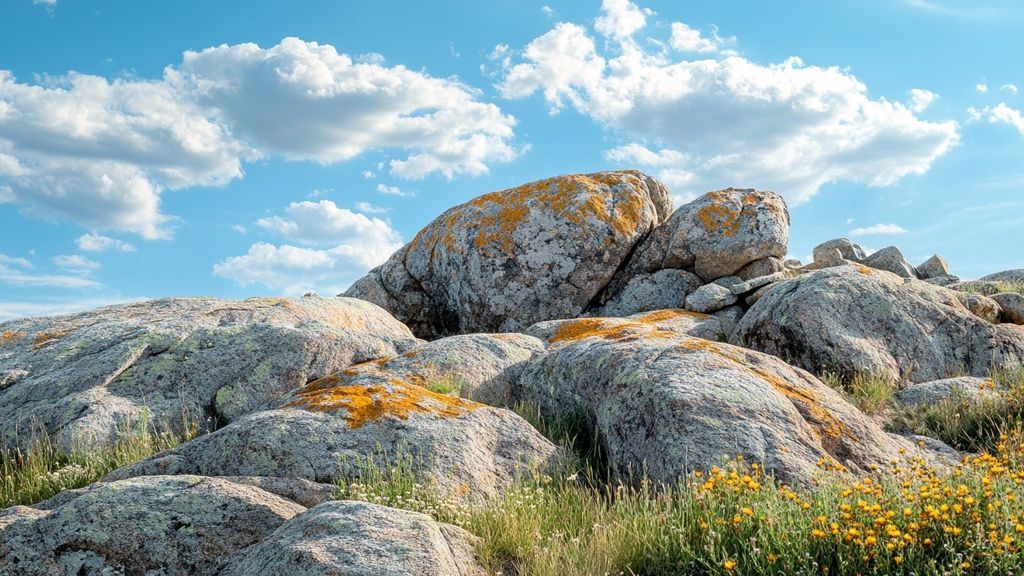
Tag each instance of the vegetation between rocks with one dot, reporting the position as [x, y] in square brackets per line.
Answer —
[38, 468]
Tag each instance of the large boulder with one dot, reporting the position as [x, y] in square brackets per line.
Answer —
[655, 324]
[1015, 275]
[716, 235]
[659, 290]
[511, 258]
[891, 259]
[855, 319]
[664, 403]
[847, 251]
[334, 428]
[356, 538]
[965, 387]
[1011, 306]
[185, 525]
[84, 376]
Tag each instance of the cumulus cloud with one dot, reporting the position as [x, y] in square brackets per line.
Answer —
[101, 152]
[20, 272]
[93, 242]
[6, 195]
[920, 99]
[336, 247]
[75, 262]
[368, 208]
[878, 229]
[1003, 114]
[981, 87]
[1011, 88]
[393, 191]
[723, 120]
[686, 39]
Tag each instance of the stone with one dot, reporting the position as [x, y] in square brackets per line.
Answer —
[1016, 275]
[659, 322]
[511, 258]
[763, 267]
[710, 298]
[943, 280]
[855, 319]
[984, 287]
[664, 404]
[151, 525]
[828, 258]
[891, 259]
[1011, 306]
[847, 251]
[933, 267]
[927, 393]
[716, 235]
[333, 429]
[86, 376]
[981, 306]
[729, 318]
[659, 290]
[348, 538]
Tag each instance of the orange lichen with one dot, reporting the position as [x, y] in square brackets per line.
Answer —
[608, 329]
[364, 404]
[719, 218]
[864, 269]
[820, 419]
[9, 336]
[44, 338]
[669, 314]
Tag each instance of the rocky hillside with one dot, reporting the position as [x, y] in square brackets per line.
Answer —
[675, 340]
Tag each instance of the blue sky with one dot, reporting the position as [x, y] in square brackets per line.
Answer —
[238, 148]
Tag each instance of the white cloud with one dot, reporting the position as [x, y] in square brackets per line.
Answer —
[101, 152]
[547, 10]
[877, 229]
[93, 242]
[17, 272]
[686, 39]
[6, 195]
[368, 174]
[47, 3]
[981, 87]
[921, 99]
[710, 123]
[1003, 114]
[393, 191]
[75, 262]
[371, 208]
[1011, 88]
[239, 228]
[338, 246]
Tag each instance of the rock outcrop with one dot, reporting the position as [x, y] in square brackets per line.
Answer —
[83, 377]
[663, 403]
[334, 428]
[928, 393]
[1016, 275]
[854, 319]
[508, 259]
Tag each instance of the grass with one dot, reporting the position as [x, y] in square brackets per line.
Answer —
[988, 288]
[445, 384]
[870, 393]
[40, 469]
[971, 424]
[913, 519]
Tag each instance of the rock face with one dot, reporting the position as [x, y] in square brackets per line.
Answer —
[847, 250]
[1011, 305]
[933, 267]
[659, 290]
[678, 322]
[334, 427]
[511, 258]
[925, 393]
[1016, 275]
[891, 259]
[664, 403]
[854, 319]
[350, 538]
[981, 306]
[154, 525]
[82, 376]
[715, 235]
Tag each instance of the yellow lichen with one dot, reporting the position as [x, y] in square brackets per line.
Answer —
[669, 314]
[820, 419]
[9, 336]
[718, 217]
[370, 403]
[864, 269]
[607, 329]
[46, 337]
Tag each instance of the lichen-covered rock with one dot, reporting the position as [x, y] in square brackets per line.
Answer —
[828, 258]
[981, 306]
[659, 290]
[181, 525]
[1011, 306]
[512, 258]
[663, 404]
[710, 298]
[847, 250]
[854, 319]
[933, 267]
[349, 538]
[925, 393]
[658, 323]
[891, 259]
[333, 428]
[1016, 275]
[943, 280]
[762, 267]
[83, 376]
[715, 235]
